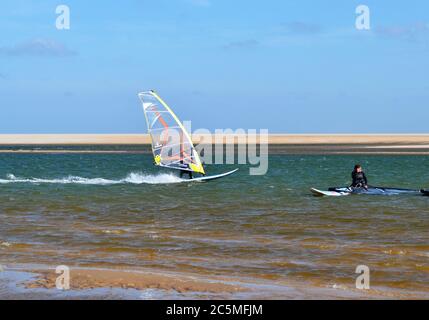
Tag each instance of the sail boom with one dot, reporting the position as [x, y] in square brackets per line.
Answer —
[171, 146]
[156, 129]
[176, 168]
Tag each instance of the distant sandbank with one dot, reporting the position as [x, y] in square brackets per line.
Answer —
[382, 144]
[405, 140]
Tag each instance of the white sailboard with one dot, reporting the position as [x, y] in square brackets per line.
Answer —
[208, 178]
[370, 190]
[321, 193]
[172, 145]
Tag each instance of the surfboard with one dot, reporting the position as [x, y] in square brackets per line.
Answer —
[344, 191]
[209, 178]
[321, 193]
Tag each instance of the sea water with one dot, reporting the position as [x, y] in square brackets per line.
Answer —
[118, 210]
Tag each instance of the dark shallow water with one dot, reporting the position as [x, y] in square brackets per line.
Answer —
[117, 210]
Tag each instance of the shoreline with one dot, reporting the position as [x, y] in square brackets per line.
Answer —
[324, 144]
[398, 152]
[39, 282]
[273, 139]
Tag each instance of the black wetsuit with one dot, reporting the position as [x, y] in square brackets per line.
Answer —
[359, 179]
[183, 172]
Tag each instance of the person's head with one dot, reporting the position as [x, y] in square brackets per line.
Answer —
[358, 168]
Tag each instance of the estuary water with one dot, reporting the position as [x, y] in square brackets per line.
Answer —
[119, 211]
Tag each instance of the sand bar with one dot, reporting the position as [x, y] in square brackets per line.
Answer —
[98, 278]
[144, 139]
[84, 280]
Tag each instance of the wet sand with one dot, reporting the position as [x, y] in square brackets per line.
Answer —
[98, 278]
[85, 283]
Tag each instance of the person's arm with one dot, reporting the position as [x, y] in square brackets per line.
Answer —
[366, 180]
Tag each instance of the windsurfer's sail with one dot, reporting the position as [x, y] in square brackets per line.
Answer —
[171, 144]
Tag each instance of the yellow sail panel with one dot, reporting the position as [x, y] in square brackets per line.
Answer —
[172, 146]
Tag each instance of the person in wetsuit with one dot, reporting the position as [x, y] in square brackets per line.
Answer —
[186, 172]
[359, 178]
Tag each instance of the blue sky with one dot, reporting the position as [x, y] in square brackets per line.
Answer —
[288, 66]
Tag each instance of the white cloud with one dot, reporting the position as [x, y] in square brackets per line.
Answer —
[37, 47]
[245, 44]
[415, 32]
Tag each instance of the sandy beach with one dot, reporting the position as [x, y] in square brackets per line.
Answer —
[387, 144]
[407, 140]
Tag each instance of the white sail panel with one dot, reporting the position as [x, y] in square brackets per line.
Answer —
[171, 144]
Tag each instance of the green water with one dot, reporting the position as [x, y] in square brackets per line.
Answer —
[108, 210]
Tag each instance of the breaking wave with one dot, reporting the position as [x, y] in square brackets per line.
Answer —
[132, 178]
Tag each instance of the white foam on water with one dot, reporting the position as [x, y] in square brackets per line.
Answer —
[139, 178]
[132, 178]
